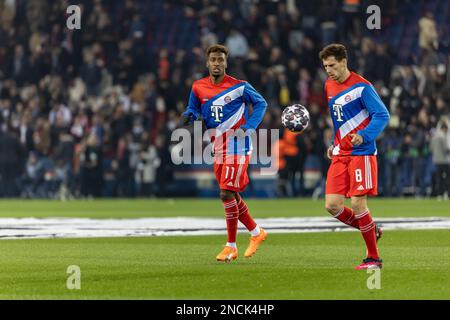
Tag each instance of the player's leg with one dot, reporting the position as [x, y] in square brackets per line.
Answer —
[240, 182]
[244, 216]
[231, 212]
[368, 231]
[222, 172]
[336, 188]
[233, 178]
[334, 203]
[363, 182]
[258, 234]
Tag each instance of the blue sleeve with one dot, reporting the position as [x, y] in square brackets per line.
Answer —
[259, 107]
[378, 113]
[193, 106]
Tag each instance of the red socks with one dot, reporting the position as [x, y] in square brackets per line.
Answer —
[367, 228]
[347, 216]
[244, 216]
[365, 224]
[232, 213]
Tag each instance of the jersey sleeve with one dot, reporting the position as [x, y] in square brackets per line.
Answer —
[193, 107]
[259, 106]
[378, 113]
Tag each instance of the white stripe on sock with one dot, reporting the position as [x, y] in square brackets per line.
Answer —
[363, 214]
[255, 232]
[339, 213]
[232, 245]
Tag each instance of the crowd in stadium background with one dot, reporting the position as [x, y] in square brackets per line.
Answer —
[89, 112]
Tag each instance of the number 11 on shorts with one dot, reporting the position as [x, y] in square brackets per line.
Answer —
[227, 171]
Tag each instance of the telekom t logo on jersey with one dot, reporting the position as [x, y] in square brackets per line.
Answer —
[216, 112]
[337, 111]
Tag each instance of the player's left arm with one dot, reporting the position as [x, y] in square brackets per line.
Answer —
[259, 107]
[378, 113]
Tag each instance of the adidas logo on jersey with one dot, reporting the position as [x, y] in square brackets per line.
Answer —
[360, 188]
[230, 184]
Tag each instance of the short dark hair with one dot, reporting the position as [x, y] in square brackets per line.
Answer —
[335, 49]
[217, 48]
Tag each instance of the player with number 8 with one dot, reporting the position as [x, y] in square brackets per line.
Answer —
[359, 116]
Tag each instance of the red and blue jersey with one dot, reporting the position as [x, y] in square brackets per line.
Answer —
[224, 107]
[355, 107]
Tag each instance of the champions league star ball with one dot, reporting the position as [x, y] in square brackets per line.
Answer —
[295, 118]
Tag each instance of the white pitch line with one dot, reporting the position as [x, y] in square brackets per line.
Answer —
[14, 228]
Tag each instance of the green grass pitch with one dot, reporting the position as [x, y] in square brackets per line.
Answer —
[138, 208]
[287, 266]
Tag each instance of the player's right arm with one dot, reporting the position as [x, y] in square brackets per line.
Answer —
[330, 152]
[331, 147]
[192, 112]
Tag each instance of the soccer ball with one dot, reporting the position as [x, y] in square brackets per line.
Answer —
[295, 118]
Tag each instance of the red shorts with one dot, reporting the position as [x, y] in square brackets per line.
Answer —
[352, 176]
[231, 172]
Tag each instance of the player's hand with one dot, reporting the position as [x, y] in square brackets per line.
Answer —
[330, 152]
[356, 139]
[187, 118]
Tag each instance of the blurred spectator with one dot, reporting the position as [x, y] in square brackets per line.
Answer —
[91, 158]
[237, 44]
[428, 35]
[91, 73]
[351, 10]
[327, 16]
[390, 181]
[440, 150]
[292, 156]
[12, 163]
[19, 65]
[147, 167]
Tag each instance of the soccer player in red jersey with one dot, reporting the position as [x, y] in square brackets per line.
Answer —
[359, 116]
[222, 102]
